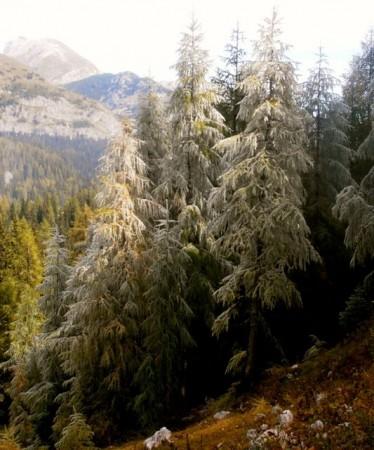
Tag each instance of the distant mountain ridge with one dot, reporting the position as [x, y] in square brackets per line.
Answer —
[35, 111]
[120, 92]
[29, 104]
[59, 64]
[53, 60]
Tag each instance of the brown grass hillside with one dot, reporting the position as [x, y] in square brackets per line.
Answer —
[336, 388]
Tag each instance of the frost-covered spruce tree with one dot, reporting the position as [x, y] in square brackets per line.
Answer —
[258, 220]
[165, 329]
[228, 78]
[355, 208]
[101, 320]
[153, 131]
[172, 280]
[196, 125]
[358, 92]
[328, 141]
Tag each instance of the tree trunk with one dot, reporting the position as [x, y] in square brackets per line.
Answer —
[253, 324]
[270, 336]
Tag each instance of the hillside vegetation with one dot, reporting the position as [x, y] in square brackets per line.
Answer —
[336, 387]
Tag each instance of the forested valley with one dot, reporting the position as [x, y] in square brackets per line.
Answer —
[228, 230]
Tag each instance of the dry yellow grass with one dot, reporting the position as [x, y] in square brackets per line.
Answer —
[337, 387]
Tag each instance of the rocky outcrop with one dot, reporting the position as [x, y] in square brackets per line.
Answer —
[30, 105]
[120, 92]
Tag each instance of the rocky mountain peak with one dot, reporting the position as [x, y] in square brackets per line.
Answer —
[53, 60]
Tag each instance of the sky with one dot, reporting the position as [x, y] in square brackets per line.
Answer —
[143, 35]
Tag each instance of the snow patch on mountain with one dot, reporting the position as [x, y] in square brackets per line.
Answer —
[53, 60]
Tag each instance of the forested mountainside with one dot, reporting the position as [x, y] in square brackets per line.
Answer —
[119, 92]
[51, 59]
[81, 153]
[228, 249]
[27, 171]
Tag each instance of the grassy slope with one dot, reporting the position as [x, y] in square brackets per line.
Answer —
[336, 387]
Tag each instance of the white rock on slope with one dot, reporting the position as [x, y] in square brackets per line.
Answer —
[161, 436]
[286, 418]
[221, 415]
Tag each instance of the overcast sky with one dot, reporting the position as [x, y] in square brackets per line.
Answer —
[143, 35]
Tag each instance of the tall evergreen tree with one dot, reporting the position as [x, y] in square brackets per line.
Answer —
[196, 125]
[358, 92]
[165, 327]
[172, 304]
[56, 274]
[355, 207]
[153, 131]
[38, 376]
[328, 141]
[228, 78]
[103, 290]
[258, 218]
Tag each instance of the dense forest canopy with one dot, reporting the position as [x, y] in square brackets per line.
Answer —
[222, 230]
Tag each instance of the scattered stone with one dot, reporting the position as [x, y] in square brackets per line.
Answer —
[221, 415]
[251, 434]
[161, 436]
[320, 396]
[283, 439]
[348, 409]
[317, 425]
[344, 424]
[286, 418]
[258, 440]
[270, 433]
[295, 367]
